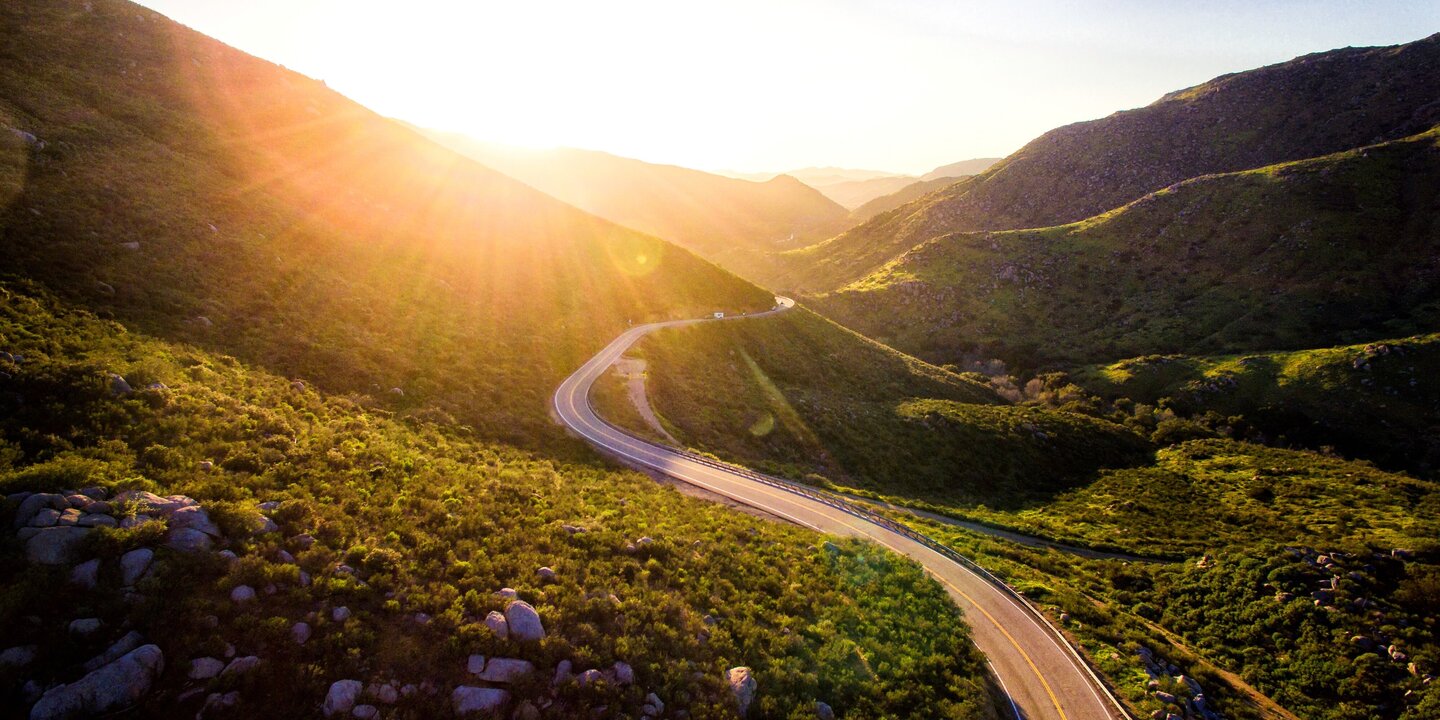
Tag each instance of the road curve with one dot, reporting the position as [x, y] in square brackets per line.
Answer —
[1043, 676]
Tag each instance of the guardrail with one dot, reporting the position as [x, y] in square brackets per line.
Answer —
[851, 508]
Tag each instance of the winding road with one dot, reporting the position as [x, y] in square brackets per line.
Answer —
[1042, 675]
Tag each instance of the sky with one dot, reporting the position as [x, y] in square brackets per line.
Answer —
[773, 85]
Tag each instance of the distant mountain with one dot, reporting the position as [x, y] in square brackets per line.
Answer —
[731, 222]
[1334, 250]
[907, 193]
[160, 178]
[961, 169]
[1307, 107]
[822, 176]
[853, 193]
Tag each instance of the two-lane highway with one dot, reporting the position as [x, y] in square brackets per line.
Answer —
[1043, 676]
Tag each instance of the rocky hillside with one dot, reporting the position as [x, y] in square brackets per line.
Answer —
[903, 196]
[161, 178]
[1334, 250]
[184, 535]
[729, 221]
[1311, 106]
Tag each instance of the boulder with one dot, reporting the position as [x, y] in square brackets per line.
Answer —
[98, 520]
[468, 700]
[194, 518]
[205, 668]
[122, 646]
[383, 693]
[86, 574]
[241, 665]
[506, 670]
[188, 540]
[46, 517]
[546, 575]
[17, 657]
[115, 686]
[340, 614]
[54, 545]
[475, 664]
[93, 492]
[823, 711]
[563, 673]
[743, 686]
[70, 517]
[623, 673]
[118, 386]
[217, 703]
[150, 503]
[242, 594]
[134, 565]
[85, 627]
[498, 625]
[507, 594]
[341, 697]
[300, 633]
[366, 712]
[35, 503]
[590, 677]
[524, 622]
[653, 705]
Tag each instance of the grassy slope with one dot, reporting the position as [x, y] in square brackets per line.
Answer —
[1378, 401]
[801, 396]
[321, 240]
[733, 222]
[1313, 105]
[436, 520]
[1331, 250]
[886, 203]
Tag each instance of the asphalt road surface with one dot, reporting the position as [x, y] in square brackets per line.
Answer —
[1043, 677]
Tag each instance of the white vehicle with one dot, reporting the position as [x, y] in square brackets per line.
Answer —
[719, 315]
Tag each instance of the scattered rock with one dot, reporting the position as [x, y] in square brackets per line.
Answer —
[17, 657]
[385, 693]
[98, 520]
[118, 386]
[524, 622]
[300, 633]
[563, 673]
[507, 594]
[340, 614]
[468, 700]
[242, 594]
[623, 673]
[506, 670]
[188, 540]
[241, 665]
[194, 518]
[743, 686]
[134, 565]
[590, 677]
[205, 668]
[34, 503]
[366, 712]
[85, 627]
[206, 466]
[47, 517]
[218, 703]
[54, 545]
[86, 574]
[117, 685]
[545, 574]
[475, 664]
[653, 705]
[341, 697]
[823, 711]
[124, 645]
[498, 624]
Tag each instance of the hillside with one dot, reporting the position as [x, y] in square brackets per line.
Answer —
[1310, 106]
[372, 548]
[852, 194]
[803, 397]
[729, 221]
[960, 169]
[1377, 401]
[911, 191]
[1334, 250]
[162, 179]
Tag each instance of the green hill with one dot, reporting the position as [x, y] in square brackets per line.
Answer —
[734, 223]
[802, 397]
[201, 194]
[1310, 106]
[407, 516]
[1333, 250]
[1378, 401]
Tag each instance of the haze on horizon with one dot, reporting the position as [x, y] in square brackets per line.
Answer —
[772, 85]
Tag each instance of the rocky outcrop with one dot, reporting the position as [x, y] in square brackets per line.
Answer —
[341, 698]
[54, 545]
[115, 686]
[498, 625]
[524, 622]
[742, 686]
[468, 700]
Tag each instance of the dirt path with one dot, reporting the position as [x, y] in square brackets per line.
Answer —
[632, 370]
